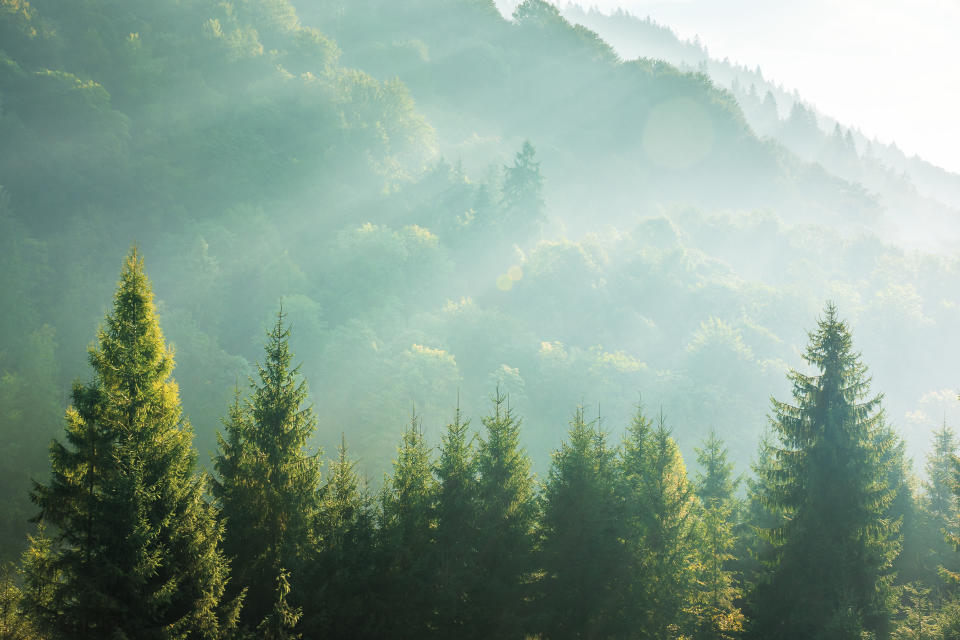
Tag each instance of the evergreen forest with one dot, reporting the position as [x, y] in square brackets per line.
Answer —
[436, 319]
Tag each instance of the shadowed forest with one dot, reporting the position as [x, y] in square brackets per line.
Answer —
[544, 324]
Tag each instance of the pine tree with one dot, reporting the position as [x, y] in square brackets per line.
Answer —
[828, 574]
[134, 551]
[268, 481]
[662, 535]
[457, 529]
[507, 513]
[717, 614]
[581, 548]
[342, 578]
[407, 530]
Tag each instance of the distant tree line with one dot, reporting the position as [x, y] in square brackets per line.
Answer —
[830, 540]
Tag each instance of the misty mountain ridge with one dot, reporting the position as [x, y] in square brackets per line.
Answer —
[902, 181]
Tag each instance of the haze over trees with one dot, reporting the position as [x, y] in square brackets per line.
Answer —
[496, 231]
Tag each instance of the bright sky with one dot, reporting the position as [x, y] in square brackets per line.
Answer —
[888, 67]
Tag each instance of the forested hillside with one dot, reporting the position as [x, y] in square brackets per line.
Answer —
[447, 205]
[930, 194]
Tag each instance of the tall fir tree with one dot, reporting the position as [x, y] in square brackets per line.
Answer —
[828, 574]
[717, 612]
[939, 513]
[939, 500]
[457, 530]
[407, 538]
[343, 577]
[268, 480]
[904, 508]
[134, 549]
[662, 535]
[759, 516]
[582, 554]
[507, 514]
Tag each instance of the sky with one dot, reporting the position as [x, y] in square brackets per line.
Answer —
[887, 67]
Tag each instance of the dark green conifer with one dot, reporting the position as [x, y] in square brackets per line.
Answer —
[582, 551]
[662, 536]
[939, 515]
[134, 548]
[457, 530]
[507, 514]
[939, 498]
[342, 579]
[268, 480]
[716, 611]
[407, 535]
[828, 571]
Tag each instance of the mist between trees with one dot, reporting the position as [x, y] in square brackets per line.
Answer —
[830, 538]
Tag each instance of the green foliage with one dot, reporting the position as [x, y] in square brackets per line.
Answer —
[268, 481]
[457, 530]
[506, 519]
[829, 571]
[940, 501]
[662, 530]
[939, 515]
[919, 619]
[280, 623]
[133, 544]
[406, 531]
[716, 609]
[14, 623]
[581, 552]
[343, 578]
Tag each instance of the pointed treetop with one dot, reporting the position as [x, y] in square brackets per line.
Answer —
[130, 349]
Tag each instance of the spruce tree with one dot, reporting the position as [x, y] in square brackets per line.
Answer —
[717, 614]
[343, 576]
[582, 554]
[134, 548]
[912, 562]
[940, 515]
[507, 513]
[662, 535]
[759, 516]
[828, 573]
[406, 545]
[268, 480]
[939, 500]
[457, 530]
